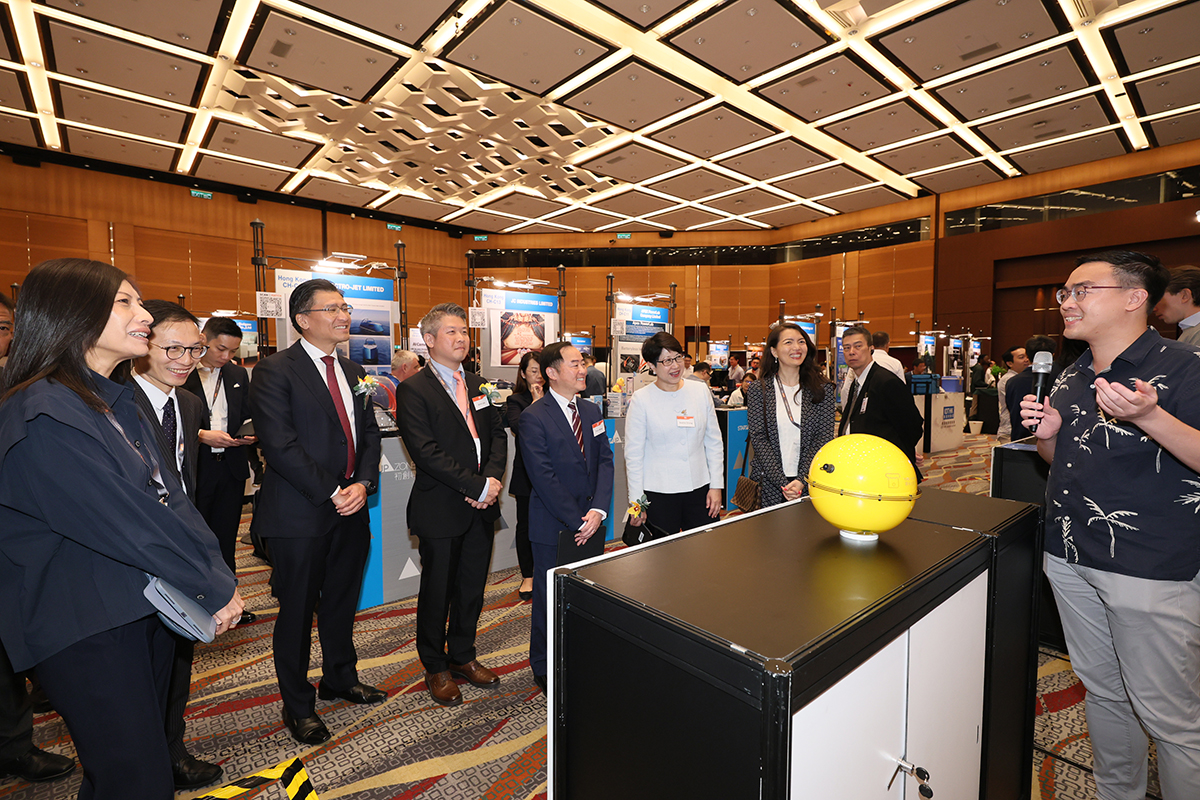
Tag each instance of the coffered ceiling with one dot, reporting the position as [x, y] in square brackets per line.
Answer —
[621, 115]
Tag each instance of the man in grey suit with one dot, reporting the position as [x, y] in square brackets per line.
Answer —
[1181, 304]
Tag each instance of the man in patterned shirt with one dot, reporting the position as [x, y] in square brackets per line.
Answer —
[1120, 430]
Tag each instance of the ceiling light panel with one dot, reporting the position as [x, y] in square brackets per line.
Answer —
[1046, 124]
[748, 38]
[525, 48]
[1159, 39]
[1176, 129]
[337, 192]
[485, 221]
[18, 130]
[825, 89]
[409, 21]
[520, 204]
[633, 163]
[792, 215]
[584, 219]
[634, 203]
[747, 202]
[92, 144]
[239, 173]
[1067, 154]
[1030, 80]
[863, 199]
[714, 132]
[777, 158]
[926, 155]
[961, 177]
[113, 62]
[730, 225]
[642, 14]
[696, 184]
[636, 227]
[823, 181]
[1170, 91]
[633, 96]
[540, 227]
[964, 34]
[192, 24]
[120, 114]
[309, 55]
[892, 123]
[419, 207]
[686, 217]
[258, 145]
[12, 95]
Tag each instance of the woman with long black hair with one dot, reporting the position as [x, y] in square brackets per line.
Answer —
[530, 386]
[790, 413]
[86, 516]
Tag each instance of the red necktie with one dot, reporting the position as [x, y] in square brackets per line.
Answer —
[576, 425]
[336, 394]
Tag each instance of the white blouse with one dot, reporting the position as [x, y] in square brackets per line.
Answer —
[789, 434]
[672, 441]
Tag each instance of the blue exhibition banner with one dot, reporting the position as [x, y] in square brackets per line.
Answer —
[616, 525]
[737, 425]
[520, 301]
[810, 328]
[639, 313]
[247, 325]
[353, 287]
[582, 343]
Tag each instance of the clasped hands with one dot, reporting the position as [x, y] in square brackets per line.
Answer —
[493, 492]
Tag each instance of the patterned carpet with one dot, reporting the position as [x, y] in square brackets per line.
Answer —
[493, 746]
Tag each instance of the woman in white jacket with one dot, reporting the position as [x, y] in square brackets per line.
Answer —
[673, 448]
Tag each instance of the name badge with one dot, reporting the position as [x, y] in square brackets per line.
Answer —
[863, 406]
[480, 403]
[683, 421]
[598, 429]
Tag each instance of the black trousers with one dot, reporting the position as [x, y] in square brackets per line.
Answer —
[219, 497]
[178, 691]
[111, 689]
[524, 550]
[454, 573]
[16, 712]
[328, 568]
[679, 511]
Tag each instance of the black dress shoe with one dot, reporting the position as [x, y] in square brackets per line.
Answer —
[247, 618]
[307, 730]
[37, 766]
[358, 693]
[540, 680]
[525, 595]
[192, 773]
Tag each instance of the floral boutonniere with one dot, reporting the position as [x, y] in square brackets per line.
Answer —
[366, 388]
[637, 507]
[490, 391]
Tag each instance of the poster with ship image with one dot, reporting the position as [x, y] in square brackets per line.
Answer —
[371, 323]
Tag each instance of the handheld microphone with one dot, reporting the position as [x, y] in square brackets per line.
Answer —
[1043, 362]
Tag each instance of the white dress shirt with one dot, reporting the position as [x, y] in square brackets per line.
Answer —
[663, 453]
[1190, 322]
[218, 405]
[564, 405]
[159, 400]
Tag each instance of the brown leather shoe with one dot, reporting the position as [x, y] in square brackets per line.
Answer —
[442, 688]
[476, 673]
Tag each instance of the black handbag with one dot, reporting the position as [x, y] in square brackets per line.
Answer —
[633, 535]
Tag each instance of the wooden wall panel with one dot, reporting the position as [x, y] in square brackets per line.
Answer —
[28, 239]
[876, 287]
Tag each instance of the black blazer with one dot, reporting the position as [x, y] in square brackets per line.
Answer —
[890, 412]
[304, 446]
[191, 412]
[518, 484]
[817, 428]
[440, 445]
[236, 387]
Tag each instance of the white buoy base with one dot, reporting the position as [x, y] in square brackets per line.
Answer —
[859, 536]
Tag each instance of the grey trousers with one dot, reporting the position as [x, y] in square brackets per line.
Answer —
[1135, 645]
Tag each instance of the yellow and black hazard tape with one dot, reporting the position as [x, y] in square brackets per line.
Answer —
[291, 773]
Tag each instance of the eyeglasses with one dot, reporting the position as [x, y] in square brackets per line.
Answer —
[176, 351]
[667, 362]
[1080, 292]
[331, 309]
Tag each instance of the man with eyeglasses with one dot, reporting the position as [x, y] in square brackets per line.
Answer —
[1121, 432]
[176, 346]
[223, 461]
[311, 410]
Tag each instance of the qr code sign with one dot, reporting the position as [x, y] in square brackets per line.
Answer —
[270, 305]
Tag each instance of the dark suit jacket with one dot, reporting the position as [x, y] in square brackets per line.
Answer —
[304, 446]
[236, 387]
[566, 483]
[441, 447]
[890, 412]
[518, 484]
[817, 428]
[191, 412]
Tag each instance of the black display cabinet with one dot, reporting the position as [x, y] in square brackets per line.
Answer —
[692, 667]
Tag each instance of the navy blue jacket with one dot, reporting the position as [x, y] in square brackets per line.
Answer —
[566, 483]
[81, 523]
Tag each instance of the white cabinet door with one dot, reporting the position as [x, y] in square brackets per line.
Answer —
[946, 651]
[845, 743]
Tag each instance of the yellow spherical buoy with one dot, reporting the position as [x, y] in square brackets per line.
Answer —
[862, 484]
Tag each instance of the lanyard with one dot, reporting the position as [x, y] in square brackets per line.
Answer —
[155, 472]
[216, 390]
[787, 404]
